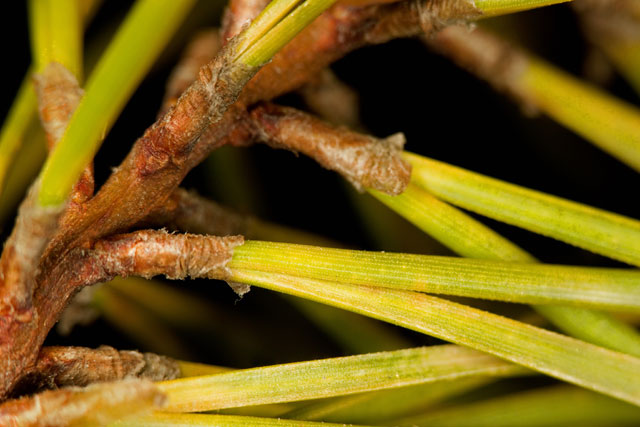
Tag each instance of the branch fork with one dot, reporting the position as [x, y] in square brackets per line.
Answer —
[52, 253]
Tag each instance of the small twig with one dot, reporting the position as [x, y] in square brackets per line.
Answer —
[158, 161]
[177, 256]
[486, 56]
[365, 161]
[78, 366]
[332, 100]
[187, 211]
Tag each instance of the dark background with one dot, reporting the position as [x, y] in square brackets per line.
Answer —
[444, 112]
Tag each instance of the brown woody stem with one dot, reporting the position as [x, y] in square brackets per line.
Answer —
[201, 50]
[365, 161]
[332, 100]
[178, 256]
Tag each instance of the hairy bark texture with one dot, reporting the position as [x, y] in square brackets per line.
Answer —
[97, 404]
[79, 366]
[364, 161]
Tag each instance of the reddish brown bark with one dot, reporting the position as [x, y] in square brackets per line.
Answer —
[157, 163]
[177, 256]
[202, 49]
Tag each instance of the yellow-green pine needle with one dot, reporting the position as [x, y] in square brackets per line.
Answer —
[167, 303]
[550, 406]
[330, 377]
[504, 7]
[379, 406]
[470, 238]
[65, 28]
[275, 11]
[559, 356]
[610, 123]
[388, 231]
[262, 50]
[599, 231]
[596, 327]
[21, 115]
[625, 55]
[528, 283]
[23, 168]
[193, 369]
[40, 33]
[228, 174]
[451, 227]
[184, 420]
[139, 41]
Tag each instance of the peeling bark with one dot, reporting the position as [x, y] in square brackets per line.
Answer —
[436, 14]
[177, 256]
[365, 161]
